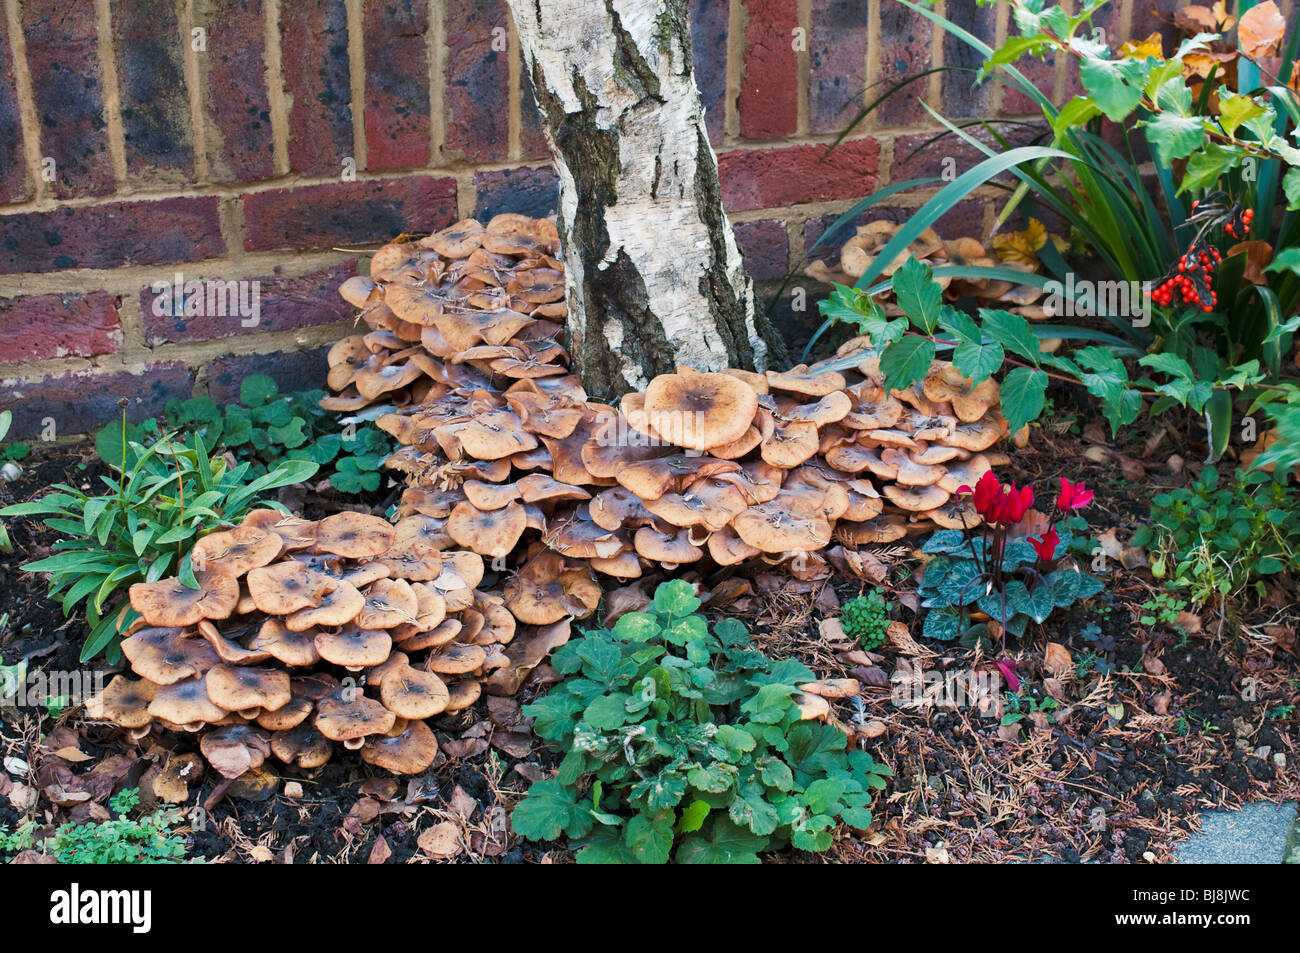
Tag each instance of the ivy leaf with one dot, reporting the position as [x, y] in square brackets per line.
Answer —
[906, 360]
[549, 810]
[919, 295]
[650, 839]
[978, 361]
[1012, 332]
[1205, 167]
[724, 843]
[1174, 137]
[1115, 85]
[1024, 393]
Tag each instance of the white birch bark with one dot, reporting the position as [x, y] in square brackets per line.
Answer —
[654, 275]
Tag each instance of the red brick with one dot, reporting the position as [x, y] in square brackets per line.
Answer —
[293, 371]
[151, 84]
[766, 247]
[62, 56]
[906, 48]
[769, 89]
[111, 234]
[916, 156]
[477, 81]
[773, 178]
[837, 51]
[84, 401]
[534, 192]
[235, 101]
[314, 49]
[320, 216]
[282, 304]
[397, 89]
[709, 58]
[14, 185]
[42, 327]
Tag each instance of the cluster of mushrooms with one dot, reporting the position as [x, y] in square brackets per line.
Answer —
[304, 634]
[354, 630]
[859, 252]
[503, 446]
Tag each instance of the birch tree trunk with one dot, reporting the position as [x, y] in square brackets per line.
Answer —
[654, 276]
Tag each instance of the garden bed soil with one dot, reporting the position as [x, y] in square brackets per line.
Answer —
[1154, 724]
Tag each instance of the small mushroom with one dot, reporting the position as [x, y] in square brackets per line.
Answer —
[410, 693]
[410, 752]
[698, 410]
[234, 552]
[349, 716]
[240, 688]
[169, 602]
[302, 745]
[341, 602]
[353, 535]
[354, 648]
[124, 701]
[186, 703]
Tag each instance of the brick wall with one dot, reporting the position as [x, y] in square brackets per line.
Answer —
[278, 142]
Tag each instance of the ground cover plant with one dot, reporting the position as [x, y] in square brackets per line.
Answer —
[162, 496]
[682, 742]
[148, 839]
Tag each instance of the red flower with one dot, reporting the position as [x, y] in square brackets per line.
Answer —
[1046, 546]
[1015, 504]
[998, 504]
[1008, 669]
[1073, 496]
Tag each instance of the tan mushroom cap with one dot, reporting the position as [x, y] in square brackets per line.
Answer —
[969, 401]
[463, 694]
[651, 479]
[240, 688]
[411, 559]
[302, 745]
[801, 380]
[168, 655]
[354, 535]
[456, 659]
[340, 603]
[409, 693]
[615, 507]
[727, 549]
[873, 409]
[812, 706]
[234, 750]
[957, 513]
[908, 472]
[294, 533]
[445, 631]
[229, 650]
[495, 435]
[489, 496]
[916, 499]
[623, 566]
[354, 648]
[707, 503]
[169, 602]
[670, 546]
[792, 442]
[832, 687]
[698, 410]
[936, 454]
[124, 701]
[885, 528]
[772, 528]
[348, 715]
[460, 570]
[234, 552]
[388, 603]
[286, 716]
[545, 591]
[296, 649]
[491, 533]
[965, 473]
[578, 536]
[286, 587]
[979, 434]
[186, 703]
[411, 752]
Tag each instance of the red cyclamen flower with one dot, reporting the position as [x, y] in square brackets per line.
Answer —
[998, 504]
[1073, 496]
[1046, 546]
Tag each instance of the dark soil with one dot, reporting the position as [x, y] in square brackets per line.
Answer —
[1154, 725]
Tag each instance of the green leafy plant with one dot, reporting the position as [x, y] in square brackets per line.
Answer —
[1225, 535]
[1019, 707]
[866, 619]
[1011, 580]
[686, 743]
[12, 452]
[161, 499]
[151, 839]
[266, 426]
[1222, 156]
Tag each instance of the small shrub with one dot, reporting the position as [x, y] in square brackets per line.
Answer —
[866, 619]
[1223, 538]
[149, 840]
[162, 498]
[686, 743]
[1012, 581]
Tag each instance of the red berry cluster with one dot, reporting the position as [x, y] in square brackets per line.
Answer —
[1231, 227]
[1193, 279]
